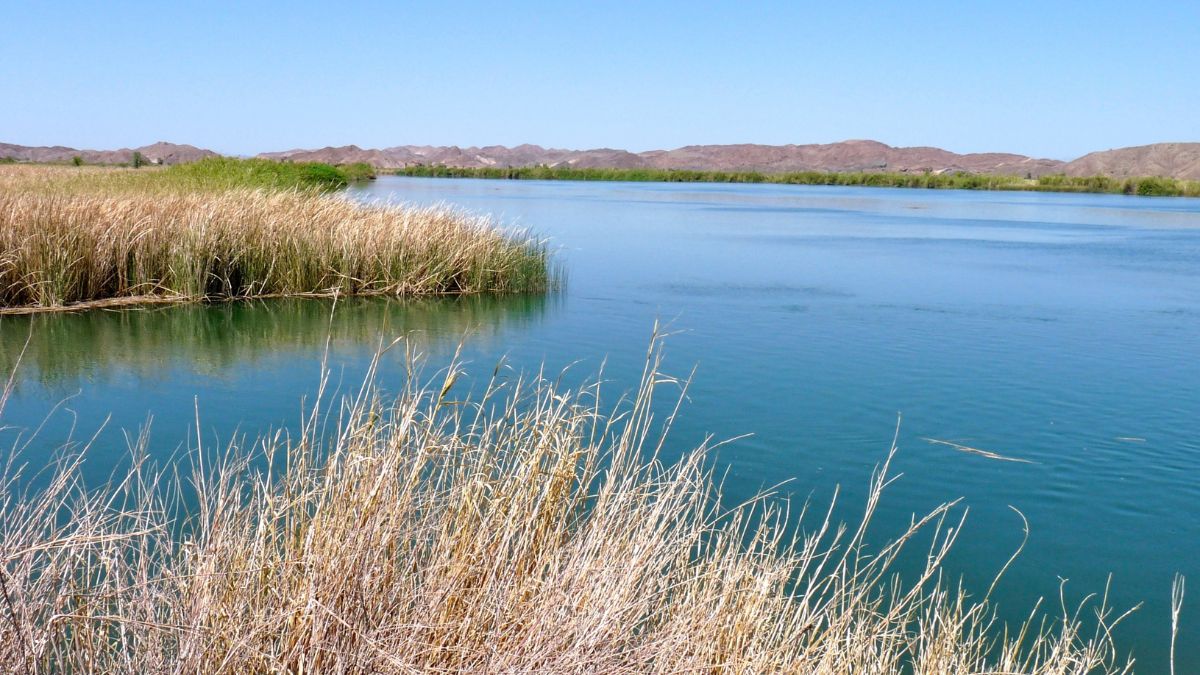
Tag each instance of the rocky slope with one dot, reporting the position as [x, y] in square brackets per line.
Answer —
[158, 153]
[844, 156]
[1177, 160]
[492, 155]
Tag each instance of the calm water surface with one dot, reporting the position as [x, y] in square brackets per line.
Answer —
[1060, 329]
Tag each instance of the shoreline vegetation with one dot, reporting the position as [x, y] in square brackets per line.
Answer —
[225, 229]
[530, 530]
[1144, 186]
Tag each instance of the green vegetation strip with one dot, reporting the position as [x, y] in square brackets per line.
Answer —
[1147, 186]
[228, 173]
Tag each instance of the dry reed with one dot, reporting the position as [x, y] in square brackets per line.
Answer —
[526, 532]
[112, 236]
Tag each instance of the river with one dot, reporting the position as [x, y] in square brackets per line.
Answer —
[1058, 329]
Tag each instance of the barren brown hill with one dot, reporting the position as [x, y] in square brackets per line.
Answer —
[158, 153]
[493, 155]
[1177, 160]
[844, 156]
[348, 154]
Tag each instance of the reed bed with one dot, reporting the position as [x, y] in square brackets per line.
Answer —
[526, 532]
[1150, 186]
[107, 236]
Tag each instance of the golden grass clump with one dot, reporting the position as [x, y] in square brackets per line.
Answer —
[108, 235]
[525, 532]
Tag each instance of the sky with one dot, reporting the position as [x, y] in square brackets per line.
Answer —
[1051, 78]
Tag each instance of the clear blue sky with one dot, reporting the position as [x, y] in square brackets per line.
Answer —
[1049, 78]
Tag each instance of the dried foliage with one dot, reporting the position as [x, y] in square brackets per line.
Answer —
[71, 236]
[525, 532]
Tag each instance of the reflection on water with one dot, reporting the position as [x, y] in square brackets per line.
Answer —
[66, 350]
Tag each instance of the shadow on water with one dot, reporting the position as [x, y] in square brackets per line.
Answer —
[67, 349]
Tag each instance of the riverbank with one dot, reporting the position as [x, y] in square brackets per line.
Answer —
[534, 532]
[221, 229]
[1147, 186]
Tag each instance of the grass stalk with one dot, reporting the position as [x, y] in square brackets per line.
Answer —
[74, 238]
[530, 530]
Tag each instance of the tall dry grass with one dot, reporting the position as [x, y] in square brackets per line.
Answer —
[527, 532]
[75, 236]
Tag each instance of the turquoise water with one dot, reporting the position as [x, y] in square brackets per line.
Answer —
[1059, 329]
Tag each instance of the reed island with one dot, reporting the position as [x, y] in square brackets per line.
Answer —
[73, 237]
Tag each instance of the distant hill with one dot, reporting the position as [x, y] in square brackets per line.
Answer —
[492, 155]
[1177, 160]
[843, 156]
[158, 153]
